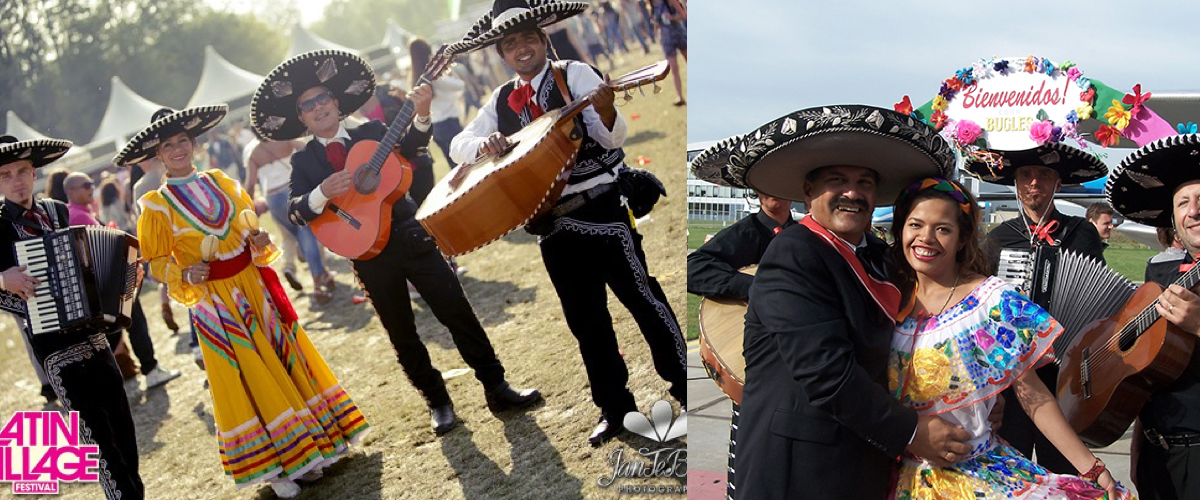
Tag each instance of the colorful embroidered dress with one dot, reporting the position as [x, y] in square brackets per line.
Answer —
[279, 410]
[953, 365]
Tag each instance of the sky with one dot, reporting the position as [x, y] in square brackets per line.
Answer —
[755, 60]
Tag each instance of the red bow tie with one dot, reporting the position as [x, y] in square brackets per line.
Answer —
[1043, 233]
[522, 98]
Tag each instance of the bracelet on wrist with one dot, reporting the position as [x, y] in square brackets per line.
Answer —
[1093, 474]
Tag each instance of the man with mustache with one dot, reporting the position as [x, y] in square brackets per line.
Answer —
[1037, 174]
[817, 419]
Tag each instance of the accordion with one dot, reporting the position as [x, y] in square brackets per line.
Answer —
[88, 279]
[1076, 290]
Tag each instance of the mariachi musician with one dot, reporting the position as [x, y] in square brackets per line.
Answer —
[1037, 174]
[587, 239]
[79, 364]
[1159, 185]
[713, 270]
[312, 93]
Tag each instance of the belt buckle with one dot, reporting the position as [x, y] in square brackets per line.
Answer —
[1157, 438]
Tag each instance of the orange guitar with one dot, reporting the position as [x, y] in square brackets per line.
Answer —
[357, 224]
[1109, 371]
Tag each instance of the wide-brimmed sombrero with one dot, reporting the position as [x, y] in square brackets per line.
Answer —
[1074, 166]
[166, 123]
[273, 110]
[509, 16]
[1141, 187]
[776, 158]
[39, 152]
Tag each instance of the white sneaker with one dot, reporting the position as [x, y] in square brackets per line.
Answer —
[285, 488]
[159, 376]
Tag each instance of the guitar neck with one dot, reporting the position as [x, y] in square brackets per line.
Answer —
[1149, 315]
[635, 79]
[395, 132]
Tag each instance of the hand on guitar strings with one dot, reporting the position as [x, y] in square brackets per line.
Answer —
[421, 97]
[14, 280]
[196, 274]
[337, 184]
[1181, 307]
[494, 144]
[261, 239]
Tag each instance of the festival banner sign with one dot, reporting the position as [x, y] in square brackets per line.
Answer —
[1007, 106]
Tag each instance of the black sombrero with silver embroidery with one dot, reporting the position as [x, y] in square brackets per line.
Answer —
[274, 108]
[509, 16]
[1074, 165]
[39, 152]
[166, 123]
[1141, 187]
[776, 158]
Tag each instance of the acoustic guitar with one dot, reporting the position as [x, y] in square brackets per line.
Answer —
[1109, 371]
[481, 201]
[722, 330]
[357, 224]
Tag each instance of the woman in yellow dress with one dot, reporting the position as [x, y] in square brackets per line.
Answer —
[280, 413]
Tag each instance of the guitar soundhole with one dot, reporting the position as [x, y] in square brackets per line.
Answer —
[1127, 340]
[366, 181]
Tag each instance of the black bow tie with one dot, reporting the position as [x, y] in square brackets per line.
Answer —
[875, 261]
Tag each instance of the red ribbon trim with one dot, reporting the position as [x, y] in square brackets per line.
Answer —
[886, 295]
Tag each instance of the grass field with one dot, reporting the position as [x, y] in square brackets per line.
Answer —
[541, 453]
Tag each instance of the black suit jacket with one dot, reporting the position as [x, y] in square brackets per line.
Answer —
[712, 270]
[310, 167]
[816, 418]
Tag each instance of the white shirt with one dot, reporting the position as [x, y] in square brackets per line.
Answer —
[317, 198]
[447, 92]
[580, 80]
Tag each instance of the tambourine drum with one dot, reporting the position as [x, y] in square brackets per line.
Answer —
[722, 328]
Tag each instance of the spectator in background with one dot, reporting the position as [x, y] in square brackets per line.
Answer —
[447, 91]
[54, 184]
[589, 33]
[672, 24]
[1100, 214]
[613, 32]
[223, 153]
[113, 209]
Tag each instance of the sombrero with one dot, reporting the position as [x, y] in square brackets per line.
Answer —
[508, 16]
[40, 152]
[1141, 187]
[165, 123]
[776, 158]
[273, 110]
[1074, 166]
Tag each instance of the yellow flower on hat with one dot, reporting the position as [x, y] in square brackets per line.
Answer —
[1117, 115]
[930, 376]
[1084, 111]
[940, 103]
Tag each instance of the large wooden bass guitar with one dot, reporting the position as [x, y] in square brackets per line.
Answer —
[722, 330]
[1109, 371]
[481, 201]
[357, 224]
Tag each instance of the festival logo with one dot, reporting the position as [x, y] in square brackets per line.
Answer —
[651, 462]
[39, 449]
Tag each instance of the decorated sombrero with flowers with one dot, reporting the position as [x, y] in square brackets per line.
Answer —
[510, 16]
[1141, 187]
[1016, 111]
[166, 123]
[274, 109]
[39, 152]
[775, 158]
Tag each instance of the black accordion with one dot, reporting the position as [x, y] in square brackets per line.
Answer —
[88, 279]
[1076, 290]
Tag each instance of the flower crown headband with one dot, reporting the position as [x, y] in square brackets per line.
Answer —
[940, 185]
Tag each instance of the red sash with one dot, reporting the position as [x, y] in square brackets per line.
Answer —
[223, 269]
[886, 295]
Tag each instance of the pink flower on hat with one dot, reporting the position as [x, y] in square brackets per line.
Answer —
[968, 131]
[1041, 131]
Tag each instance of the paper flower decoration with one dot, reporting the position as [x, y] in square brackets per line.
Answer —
[1088, 95]
[1041, 132]
[1107, 135]
[1074, 74]
[1135, 99]
[1073, 116]
[1084, 112]
[1000, 66]
[1117, 115]
[940, 103]
[967, 131]
[1031, 64]
[939, 119]
[904, 106]
[1189, 128]
[964, 76]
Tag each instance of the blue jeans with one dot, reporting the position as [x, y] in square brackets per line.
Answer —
[278, 203]
[444, 132]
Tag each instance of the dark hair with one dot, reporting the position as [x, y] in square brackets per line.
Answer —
[1166, 237]
[55, 187]
[419, 53]
[1095, 210]
[110, 193]
[971, 258]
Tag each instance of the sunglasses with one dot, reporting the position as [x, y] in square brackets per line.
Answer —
[86, 185]
[321, 99]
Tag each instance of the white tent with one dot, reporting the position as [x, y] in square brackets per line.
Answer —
[221, 81]
[397, 38]
[16, 127]
[126, 113]
[305, 41]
